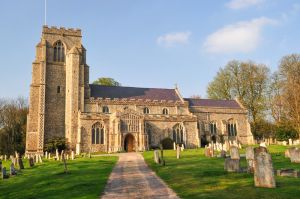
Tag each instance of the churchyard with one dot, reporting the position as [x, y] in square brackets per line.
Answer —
[194, 175]
[85, 178]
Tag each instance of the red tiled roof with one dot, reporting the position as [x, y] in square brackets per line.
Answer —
[133, 93]
[213, 103]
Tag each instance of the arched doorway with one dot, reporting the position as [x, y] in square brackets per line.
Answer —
[129, 143]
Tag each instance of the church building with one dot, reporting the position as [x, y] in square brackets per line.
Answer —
[116, 118]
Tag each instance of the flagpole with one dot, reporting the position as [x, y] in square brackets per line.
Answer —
[45, 23]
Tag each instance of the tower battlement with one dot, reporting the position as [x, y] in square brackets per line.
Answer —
[62, 31]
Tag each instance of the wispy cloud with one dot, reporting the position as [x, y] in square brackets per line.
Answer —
[240, 4]
[172, 39]
[240, 37]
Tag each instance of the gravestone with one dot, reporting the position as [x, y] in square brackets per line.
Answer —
[288, 173]
[61, 155]
[232, 165]
[234, 153]
[5, 158]
[263, 144]
[174, 146]
[49, 156]
[0, 165]
[56, 154]
[31, 162]
[284, 143]
[65, 163]
[208, 151]
[223, 154]
[295, 155]
[182, 147]
[178, 152]
[12, 169]
[46, 154]
[20, 163]
[263, 168]
[250, 158]
[40, 159]
[156, 156]
[67, 156]
[3, 173]
[72, 155]
[290, 142]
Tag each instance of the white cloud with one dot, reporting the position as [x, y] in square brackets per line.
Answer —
[240, 4]
[171, 39]
[240, 37]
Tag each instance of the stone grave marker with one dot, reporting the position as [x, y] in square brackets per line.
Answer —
[288, 173]
[174, 146]
[49, 156]
[0, 165]
[65, 163]
[178, 152]
[232, 165]
[234, 153]
[56, 154]
[20, 163]
[12, 169]
[156, 156]
[5, 158]
[40, 159]
[250, 158]
[295, 155]
[182, 147]
[72, 155]
[3, 173]
[67, 156]
[31, 162]
[223, 154]
[263, 168]
[46, 154]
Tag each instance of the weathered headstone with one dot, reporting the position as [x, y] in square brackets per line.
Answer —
[67, 156]
[174, 146]
[234, 153]
[56, 154]
[232, 165]
[40, 159]
[288, 173]
[178, 151]
[12, 169]
[156, 156]
[20, 163]
[65, 162]
[295, 155]
[5, 158]
[49, 156]
[31, 162]
[290, 142]
[3, 173]
[208, 152]
[72, 155]
[182, 147]
[61, 155]
[46, 154]
[250, 158]
[263, 168]
[223, 154]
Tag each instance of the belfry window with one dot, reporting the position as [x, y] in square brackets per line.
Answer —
[97, 133]
[58, 89]
[59, 52]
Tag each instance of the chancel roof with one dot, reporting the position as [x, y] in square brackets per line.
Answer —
[213, 103]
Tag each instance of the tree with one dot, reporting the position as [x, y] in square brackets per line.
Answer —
[106, 81]
[289, 72]
[13, 116]
[246, 81]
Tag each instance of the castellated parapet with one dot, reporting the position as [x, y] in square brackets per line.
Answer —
[62, 31]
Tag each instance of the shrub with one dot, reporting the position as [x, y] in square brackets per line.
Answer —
[167, 143]
[286, 132]
[56, 143]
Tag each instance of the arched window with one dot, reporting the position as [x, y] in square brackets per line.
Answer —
[59, 52]
[178, 134]
[97, 133]
[213, 128]
[105, 109]
[231, 128]
[165, 111]
[146, 110]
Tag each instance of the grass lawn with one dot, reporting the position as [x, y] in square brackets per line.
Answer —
[196, 176]
[86, 179]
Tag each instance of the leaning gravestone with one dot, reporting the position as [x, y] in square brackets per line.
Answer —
[12, 169]
[20, 163]
[232, 165]
[234, 153]
[263, 168]
[250, 158]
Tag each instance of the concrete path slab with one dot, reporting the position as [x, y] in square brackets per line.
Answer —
[132, 178]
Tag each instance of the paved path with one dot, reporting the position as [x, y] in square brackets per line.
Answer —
[131, 178]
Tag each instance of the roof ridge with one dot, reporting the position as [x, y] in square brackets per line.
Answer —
[133, 87]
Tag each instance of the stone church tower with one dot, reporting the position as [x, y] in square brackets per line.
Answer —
[59, 86]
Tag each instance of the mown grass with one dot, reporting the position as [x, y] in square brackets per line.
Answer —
[86, 178]
[196, 176]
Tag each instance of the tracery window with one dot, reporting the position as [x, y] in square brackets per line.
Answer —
[165, 111]
[146, 110]
[97, 133]
[59, 52]
[231, 128]
[178, 134]
[105, 109]
[213, 128]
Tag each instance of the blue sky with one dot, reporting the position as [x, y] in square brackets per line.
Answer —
[151, 43]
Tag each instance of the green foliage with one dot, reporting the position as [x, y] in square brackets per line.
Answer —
[284, 132]
[52, 144]
[106, 81]
[263, 129]
[167, 143]
[13, 116]
[86, 179]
